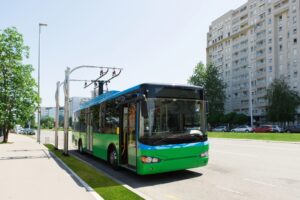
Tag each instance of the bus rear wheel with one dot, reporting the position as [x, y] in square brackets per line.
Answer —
[113, 158]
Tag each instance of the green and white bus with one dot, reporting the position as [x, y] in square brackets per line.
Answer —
[149, 128]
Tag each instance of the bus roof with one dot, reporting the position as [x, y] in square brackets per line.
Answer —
[114, 94]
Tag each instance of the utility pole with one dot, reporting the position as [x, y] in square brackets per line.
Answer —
[57, 114]
[39, 104]
[250, 98]
[66, 111]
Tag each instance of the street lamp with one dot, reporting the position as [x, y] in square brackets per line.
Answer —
[39, 105]
[250, 97]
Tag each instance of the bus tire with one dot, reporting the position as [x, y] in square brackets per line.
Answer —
[113, 158]
[80, 148]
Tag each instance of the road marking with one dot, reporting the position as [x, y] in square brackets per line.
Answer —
[229, 190]
[236, 154]
[259, 182]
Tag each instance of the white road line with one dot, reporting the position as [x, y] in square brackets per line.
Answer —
[259, 182]
[229, 190]
[234, 153]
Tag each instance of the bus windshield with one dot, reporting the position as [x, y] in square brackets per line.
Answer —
[172, 121]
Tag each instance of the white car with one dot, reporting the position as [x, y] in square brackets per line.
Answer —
[243, 128]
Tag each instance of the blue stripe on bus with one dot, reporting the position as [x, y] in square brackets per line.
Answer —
[170, 146]
[106, 97]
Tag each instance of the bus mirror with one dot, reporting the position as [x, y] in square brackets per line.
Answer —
[206, 107]
[144, 109]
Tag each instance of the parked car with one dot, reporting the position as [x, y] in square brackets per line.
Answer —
[268, 129]
[20, 130]
[263, 129]
[28, 131]
[293, 129]
[220, 129]
[277, 129]
[243, 128]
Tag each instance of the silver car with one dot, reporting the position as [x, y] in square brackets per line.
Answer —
[243, 128]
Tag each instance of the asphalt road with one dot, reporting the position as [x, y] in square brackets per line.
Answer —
[237, 169]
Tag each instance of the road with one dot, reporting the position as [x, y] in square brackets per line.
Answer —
[237, 169]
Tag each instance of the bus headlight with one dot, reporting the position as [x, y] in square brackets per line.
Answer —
[204, 154]
[148, 159]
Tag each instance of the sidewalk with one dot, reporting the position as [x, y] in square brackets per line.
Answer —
[27, 172]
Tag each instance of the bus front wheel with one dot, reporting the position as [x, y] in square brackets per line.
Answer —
[113, 158]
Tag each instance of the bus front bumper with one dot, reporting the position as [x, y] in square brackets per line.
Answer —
[172, 159]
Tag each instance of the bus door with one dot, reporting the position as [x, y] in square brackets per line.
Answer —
[89, 131]
[129, 134]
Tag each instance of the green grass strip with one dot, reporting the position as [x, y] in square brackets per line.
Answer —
[104, 186]
[287, 137]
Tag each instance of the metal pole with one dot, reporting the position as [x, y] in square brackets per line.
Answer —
[57, 114]
[250, 98]
[39, 104]
[66, 111]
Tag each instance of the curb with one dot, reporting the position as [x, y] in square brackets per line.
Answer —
[116, 180]
[87, 187]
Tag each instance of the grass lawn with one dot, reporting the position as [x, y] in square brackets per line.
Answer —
[104, 186]
[257, 136]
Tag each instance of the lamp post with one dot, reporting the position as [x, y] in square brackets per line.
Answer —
[250, 98]
[39, 105]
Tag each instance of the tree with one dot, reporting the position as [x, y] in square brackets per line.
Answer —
[282, 102]
[240, 119]
[234, 118]
[47, 122]
[18, 96]
[214, 87]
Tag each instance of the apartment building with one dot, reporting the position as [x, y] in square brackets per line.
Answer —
[257, 42]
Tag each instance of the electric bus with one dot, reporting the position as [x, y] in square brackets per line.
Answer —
[149, 128]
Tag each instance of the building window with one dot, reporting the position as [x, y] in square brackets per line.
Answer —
[295, 74]
[294, 19]
[295, 41]
[270, 69]
[270, 21]
[269, 10]
[295, 52]
[280, 47]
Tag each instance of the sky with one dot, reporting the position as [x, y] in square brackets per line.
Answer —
[156, 41]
